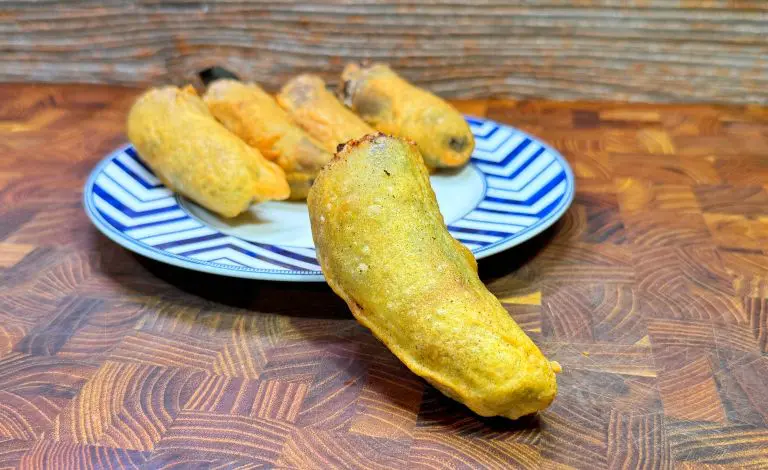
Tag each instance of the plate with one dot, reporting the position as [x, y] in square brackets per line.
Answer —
[514, 187]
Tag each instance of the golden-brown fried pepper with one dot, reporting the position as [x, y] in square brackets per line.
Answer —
[384, 248]
[319, 112]
[254, 116]
[393, 106]
[194, 155]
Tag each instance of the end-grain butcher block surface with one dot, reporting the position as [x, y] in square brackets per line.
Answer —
[651, 293]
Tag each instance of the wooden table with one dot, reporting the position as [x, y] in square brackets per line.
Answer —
[651, 293]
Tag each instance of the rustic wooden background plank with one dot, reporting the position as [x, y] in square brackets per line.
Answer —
[652, 50]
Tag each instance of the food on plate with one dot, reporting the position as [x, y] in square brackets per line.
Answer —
[385, 250]
[393, 106]
[254, 116]
[320, 113]
[194, 155]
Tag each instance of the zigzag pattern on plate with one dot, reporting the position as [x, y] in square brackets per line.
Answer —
[527, 186]
[525, 182]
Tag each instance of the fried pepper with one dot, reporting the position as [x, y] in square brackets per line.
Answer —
[319, 112]
[254, 116]
[194, 155]
[393, 106]
[385, 250]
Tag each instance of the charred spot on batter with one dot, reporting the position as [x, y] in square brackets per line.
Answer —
[346, 90]
[369, 106]
[351, 144]
[211, 74]
[457, 143]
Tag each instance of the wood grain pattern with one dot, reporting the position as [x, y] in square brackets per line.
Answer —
[641, 50]
[652, 293]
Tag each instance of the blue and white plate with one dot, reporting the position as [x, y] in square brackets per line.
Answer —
[514, 188]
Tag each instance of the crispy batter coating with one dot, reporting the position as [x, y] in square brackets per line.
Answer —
[393, 106]
[254, 116]
[194, 155]
[318, 111]
[384, 248]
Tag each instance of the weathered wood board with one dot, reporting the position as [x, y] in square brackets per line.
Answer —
[648, 50]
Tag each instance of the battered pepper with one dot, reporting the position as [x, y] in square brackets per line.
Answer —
[194, 155]
[320, 113]
[254, 116]
[385, 250]
[393, 106]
